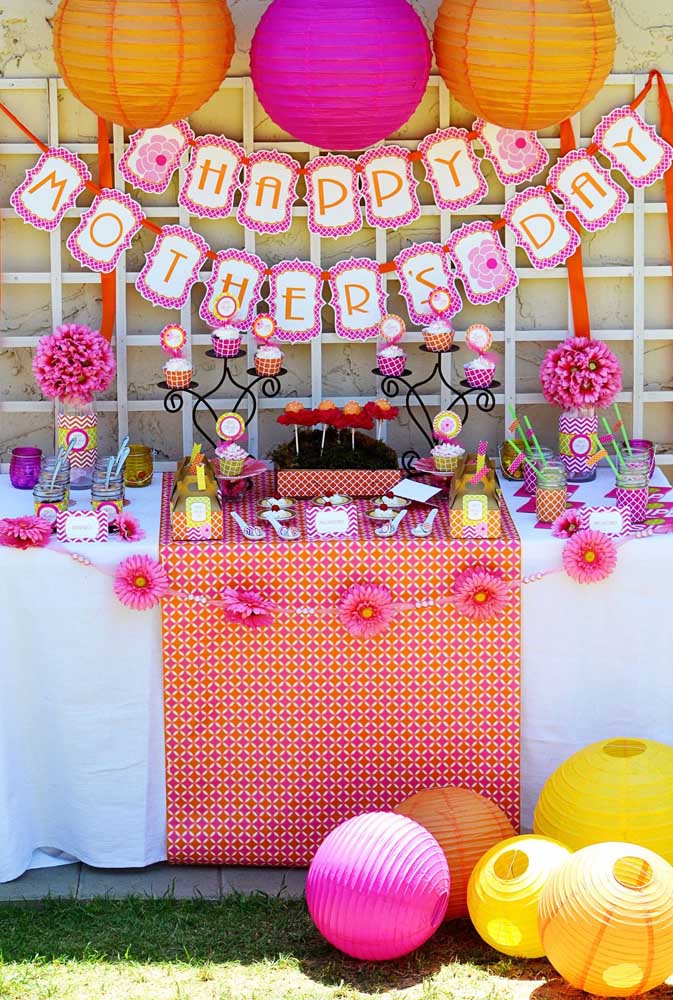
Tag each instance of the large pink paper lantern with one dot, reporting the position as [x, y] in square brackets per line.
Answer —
[378, 886]
[340, 75]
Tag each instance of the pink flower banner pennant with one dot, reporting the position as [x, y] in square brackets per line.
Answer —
[154, 155]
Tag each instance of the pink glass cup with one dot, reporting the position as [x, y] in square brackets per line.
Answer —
[24, 467]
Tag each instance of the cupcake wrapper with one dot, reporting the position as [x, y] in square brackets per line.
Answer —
[268, 366]
[230, 467]
[226, 348]
[479, 378]
[446, 463]
[179, 379]
[438, 341]
[391, 366]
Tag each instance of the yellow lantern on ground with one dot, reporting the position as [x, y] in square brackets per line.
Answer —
[617, 789]
[466, 824]
[605, 920]
[524, 64]
[504, 891]
[143, 63]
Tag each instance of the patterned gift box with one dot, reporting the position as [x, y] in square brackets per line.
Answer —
[325, 482]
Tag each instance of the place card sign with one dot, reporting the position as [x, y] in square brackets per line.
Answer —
[332, 522]
[615, 521]
[82, 526]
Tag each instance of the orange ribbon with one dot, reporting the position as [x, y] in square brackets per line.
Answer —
[108, 282]
[578, 289]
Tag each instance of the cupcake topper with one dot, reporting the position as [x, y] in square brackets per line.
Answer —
[225, 306]
[173, 338]
[440, 300]
[478, 338]
[392, 328]
[263, 327]
[230, 426]
[447, 425]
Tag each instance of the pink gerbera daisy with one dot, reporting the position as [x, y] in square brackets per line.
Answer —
[128, 527]
[366, 609]
[28, 532]
[247, 607]
[140, 582]
[480, 594]
[589, 556]
[566, 524]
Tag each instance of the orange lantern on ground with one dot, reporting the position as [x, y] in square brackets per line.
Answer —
[466, 825]
[524, 64]
[143, 63]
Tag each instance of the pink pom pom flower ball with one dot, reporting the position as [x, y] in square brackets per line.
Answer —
[340, 76]
[378, 886]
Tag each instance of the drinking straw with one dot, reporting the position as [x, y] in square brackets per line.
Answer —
[109, 471]
[515, 426]
[535, 440]
[119, 461]
[610, 462]
[614, 442]
[59, 461]
[66, 456]
[623, 430]
[525, 458]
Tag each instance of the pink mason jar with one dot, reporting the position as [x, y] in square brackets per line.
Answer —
[633, 492]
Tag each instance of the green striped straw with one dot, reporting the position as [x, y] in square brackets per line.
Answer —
[624, 434]
[614, 441]
[523, 437]
[600, 447]
[525, 458]
[535, 441]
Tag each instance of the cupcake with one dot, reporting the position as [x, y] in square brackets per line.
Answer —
[438, 336]
[226, 341]
[447, 456]
[268, 359]
[479, 373]
[178, 373]
[231, 459]
[391, 360]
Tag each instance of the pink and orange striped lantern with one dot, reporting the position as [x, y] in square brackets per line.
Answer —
[340, 76]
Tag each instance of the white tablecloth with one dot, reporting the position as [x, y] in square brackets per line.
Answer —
[81, 733]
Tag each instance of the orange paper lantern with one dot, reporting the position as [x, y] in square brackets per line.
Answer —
[143, 63]
[466, 825]
[524, 64]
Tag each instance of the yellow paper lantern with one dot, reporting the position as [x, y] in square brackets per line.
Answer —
[143, 63]
[618, 789]
[605, 920]
[524, 64]
[504, 891]
[466, 824]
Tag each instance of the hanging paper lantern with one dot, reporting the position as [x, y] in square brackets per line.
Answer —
[377, 886]
[620, 789]
[524, 64]
[143, 63]
[505, 889]
[605, 920]
[340, 75]
[465, 825]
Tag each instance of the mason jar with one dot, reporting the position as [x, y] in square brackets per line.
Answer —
[49, 501]
[551, 492]
[632, 484]
[529, 477]
[109, 499]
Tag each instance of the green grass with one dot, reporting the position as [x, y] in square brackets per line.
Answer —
[244, 948]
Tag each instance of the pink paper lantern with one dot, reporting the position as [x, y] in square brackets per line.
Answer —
[340, 76]
[378, 886]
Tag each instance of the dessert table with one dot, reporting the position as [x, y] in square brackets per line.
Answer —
[81, 714]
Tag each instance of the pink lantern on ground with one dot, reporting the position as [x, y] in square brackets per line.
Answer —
[378, 886]
[340, 76]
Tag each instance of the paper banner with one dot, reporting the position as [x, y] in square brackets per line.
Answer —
[105, 230]
[453, 169]
[358, 298]
[516, 156]
[389, 187]
[333, 196]
[481, 263]
[172, 267]
[295, 300]
[540, 227]
[587, 190]
[239, 274]
[633, 147]
[51, 187]
[421, 268]
[154, 155]
[212, 177]
[269, 192]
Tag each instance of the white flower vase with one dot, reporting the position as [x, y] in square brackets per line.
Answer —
[77, 424]
[578, 430]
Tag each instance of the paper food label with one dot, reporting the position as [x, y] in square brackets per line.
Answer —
[475, 509]
[82, 526]
[610, 520]
[337, 522]
[198, 511]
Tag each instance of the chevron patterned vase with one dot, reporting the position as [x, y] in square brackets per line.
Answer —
[578, 430]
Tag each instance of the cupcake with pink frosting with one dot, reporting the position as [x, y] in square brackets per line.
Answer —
[231, 458]
[226, 341]
[447, 456]
[391, 360]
